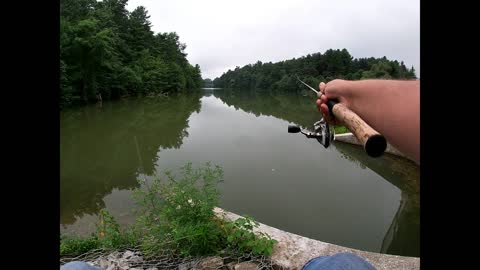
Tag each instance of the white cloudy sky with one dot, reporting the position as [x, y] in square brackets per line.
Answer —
[222, 34]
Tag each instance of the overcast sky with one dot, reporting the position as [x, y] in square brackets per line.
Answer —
[222, 34]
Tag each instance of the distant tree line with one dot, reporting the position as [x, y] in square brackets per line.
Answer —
[313, 69]
[107, 52]
[207, 83]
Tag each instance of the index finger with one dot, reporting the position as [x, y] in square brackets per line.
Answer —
[322, 89]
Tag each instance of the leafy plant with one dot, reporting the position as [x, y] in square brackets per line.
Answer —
[176, 214]
[108, 235]
[240, 235]
[71, 245]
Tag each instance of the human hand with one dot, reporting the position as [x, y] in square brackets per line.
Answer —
[336, 89]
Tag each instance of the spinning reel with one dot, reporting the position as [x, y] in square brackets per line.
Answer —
[322, 132]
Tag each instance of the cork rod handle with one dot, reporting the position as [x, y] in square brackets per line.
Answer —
[373, 142]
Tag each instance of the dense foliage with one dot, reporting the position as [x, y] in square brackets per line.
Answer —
[207, 83]
[107, 52]
[313, 69]
[176, 214]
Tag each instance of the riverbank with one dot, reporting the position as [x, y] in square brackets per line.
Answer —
[132, 259]
[290, 253]
[293, 251]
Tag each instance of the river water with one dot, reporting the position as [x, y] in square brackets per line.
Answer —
[337, 195]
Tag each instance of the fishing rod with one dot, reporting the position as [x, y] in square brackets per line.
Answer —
[373, 142]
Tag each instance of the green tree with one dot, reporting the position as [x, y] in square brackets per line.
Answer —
[140, 36]
[382, 69]
[92, 48]
[65, 88]
[411, 73]
[107, 50]
[312, 68]
[76, 10]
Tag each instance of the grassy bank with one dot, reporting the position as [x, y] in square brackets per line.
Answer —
[176, 214]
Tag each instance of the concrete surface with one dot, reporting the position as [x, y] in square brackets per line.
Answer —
[293, 251]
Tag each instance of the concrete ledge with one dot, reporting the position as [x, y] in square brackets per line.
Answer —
[293, 251]
[350, 138]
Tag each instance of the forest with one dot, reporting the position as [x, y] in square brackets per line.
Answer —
[312, 69]
[108, 52]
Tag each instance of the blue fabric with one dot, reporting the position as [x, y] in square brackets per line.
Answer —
[77, 265]
[340, 261]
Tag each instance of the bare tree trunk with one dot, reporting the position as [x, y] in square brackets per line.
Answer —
[84, 92]
[99, 100]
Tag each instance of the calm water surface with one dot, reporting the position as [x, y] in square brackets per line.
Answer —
[337, 195]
